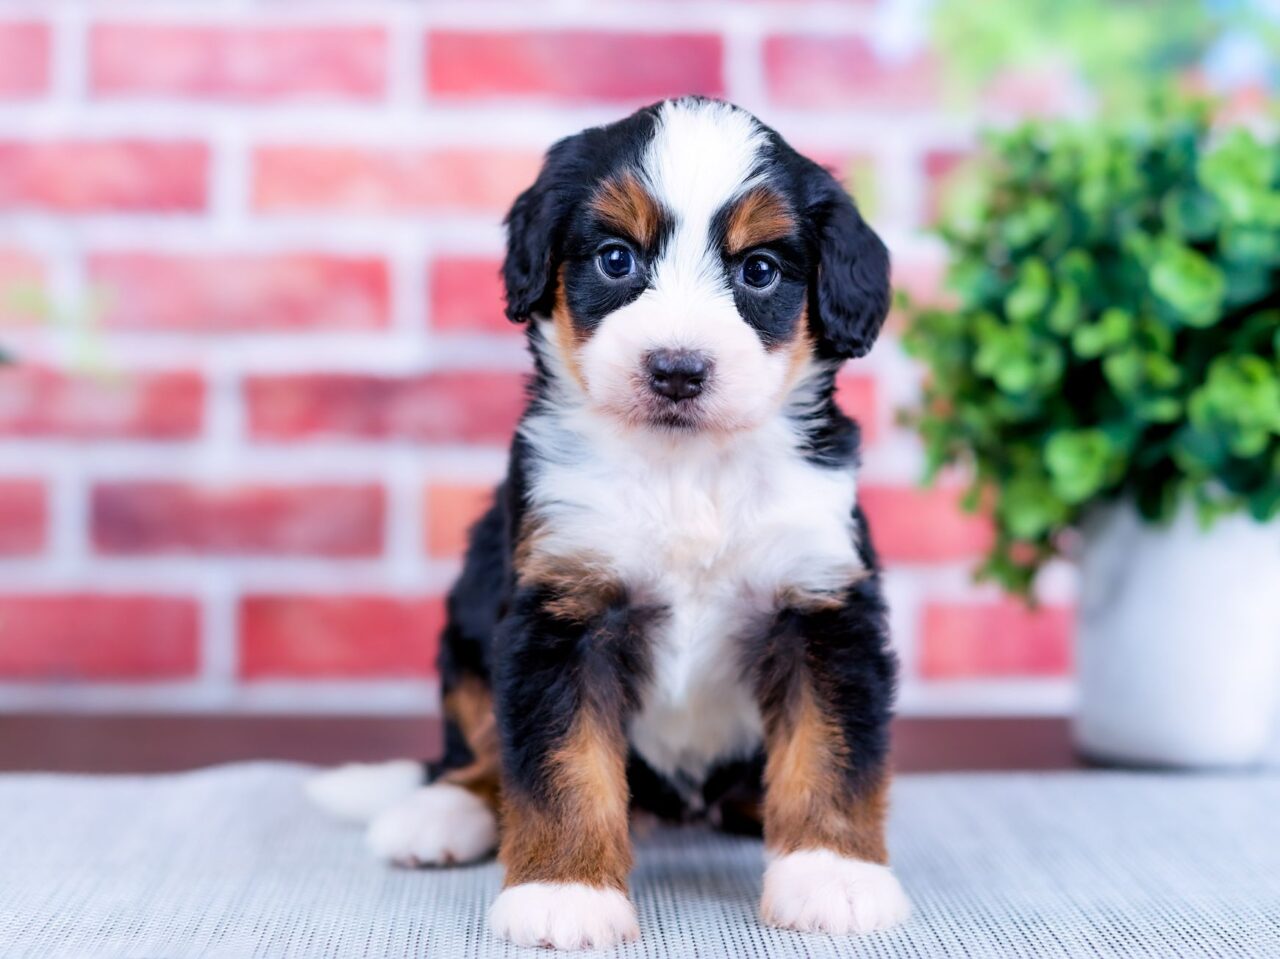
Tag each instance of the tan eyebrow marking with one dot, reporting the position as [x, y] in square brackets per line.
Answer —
[760, 216]
[627, 207]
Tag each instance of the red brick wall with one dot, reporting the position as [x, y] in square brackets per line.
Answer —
[247, 488]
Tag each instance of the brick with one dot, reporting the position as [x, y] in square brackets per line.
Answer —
[239, 63]
[980, 640]
[923, 280]
[466, 296]
[167, 517]
[302, 291]
[300, 179]
[857, 172]
[23, 517]
[913, 525]
[339, 637]
[25, 54]
[38, 402]
[69, 637]
[86, 176]
[23, 284]
[812, 71]
[859, 398]
[454, 406]
[1045, 89]
[451, 510]
[573, 65]
[939, 168]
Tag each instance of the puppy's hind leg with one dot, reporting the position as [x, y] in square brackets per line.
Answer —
[357, 792]
[442, 812]
[452, 819]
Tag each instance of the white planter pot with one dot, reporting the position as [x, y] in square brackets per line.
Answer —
[1178, 640]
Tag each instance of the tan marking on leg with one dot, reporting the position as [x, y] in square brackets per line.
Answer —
[578, 833]
[470, 705]
[808, 801]
[760, 216]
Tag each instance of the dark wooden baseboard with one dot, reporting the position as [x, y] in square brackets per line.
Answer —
[161, 743]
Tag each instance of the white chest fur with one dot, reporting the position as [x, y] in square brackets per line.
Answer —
[710, 530]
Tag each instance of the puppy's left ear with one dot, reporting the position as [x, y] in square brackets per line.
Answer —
[849, 296]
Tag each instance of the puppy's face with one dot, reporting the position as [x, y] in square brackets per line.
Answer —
[685, 269]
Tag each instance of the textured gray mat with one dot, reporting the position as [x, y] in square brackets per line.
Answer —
[232, 863]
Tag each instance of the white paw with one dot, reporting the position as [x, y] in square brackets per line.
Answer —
[436, 825]
[359, 791]
[563, 916]
[817, 890]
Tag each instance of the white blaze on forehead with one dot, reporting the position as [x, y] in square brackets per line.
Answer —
[703, 155]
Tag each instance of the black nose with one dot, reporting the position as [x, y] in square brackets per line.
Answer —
[677, 374]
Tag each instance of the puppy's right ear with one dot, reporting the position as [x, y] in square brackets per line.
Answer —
[535, 231]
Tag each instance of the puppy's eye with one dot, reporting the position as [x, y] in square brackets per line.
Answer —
[760, 272]
[616, 262]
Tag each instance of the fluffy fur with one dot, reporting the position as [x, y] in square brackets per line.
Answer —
[816, 890]
[359, 791]
[437, 825]
[563, 916]
[673, 601]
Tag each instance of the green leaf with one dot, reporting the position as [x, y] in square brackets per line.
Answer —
[1251, 245]
[1190, 213]
[1113, 328]
[1240, 400]
[1189, 283]
[1124, 372]
[1264, 505]
[1079, 461]
[1076, 268]
[1024, 226]
[1029, 298]
[1029, 507]
[1067, 311]
[1160, 409]
[1237, 168]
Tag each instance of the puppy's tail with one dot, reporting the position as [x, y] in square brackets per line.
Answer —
[357, 792]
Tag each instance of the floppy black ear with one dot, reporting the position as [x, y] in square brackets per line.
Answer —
[850, 294]
[535, 231]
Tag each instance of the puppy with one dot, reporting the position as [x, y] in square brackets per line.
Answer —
[673, 602]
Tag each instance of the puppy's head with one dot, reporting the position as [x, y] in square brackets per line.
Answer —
[685, 269]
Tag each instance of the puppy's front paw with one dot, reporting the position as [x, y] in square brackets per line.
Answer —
[817, 890]
[563, 916]
[437, 825]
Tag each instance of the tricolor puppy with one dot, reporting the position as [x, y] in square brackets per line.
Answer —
[673, 602]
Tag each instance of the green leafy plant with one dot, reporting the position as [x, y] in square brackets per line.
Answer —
[1116, 332]
[1117, 46]
[1118, 49]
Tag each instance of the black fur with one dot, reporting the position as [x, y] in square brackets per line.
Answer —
[844, 651]
[543, 668]
[541, 216]
[549, 668]
[850, 288]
